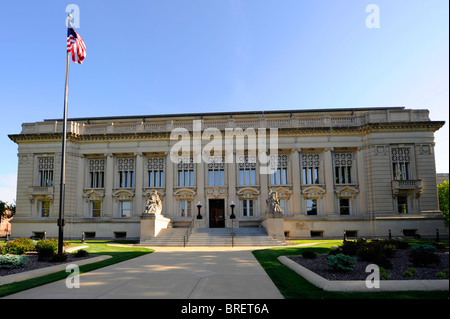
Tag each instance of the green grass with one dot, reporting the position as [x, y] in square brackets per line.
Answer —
[294, 286]
[118, 254]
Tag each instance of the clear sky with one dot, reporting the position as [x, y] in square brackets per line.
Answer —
[175, 56]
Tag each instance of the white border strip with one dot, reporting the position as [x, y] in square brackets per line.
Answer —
[48, 270]
[360, 285]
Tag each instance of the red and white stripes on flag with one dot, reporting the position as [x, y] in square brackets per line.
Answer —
[75, 45]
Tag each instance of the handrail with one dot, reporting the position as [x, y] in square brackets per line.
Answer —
[188, 232]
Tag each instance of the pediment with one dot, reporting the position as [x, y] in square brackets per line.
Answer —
[185, 193]
[346, 191]
[248, 193]
[123, 194]
[313, 191]
[283, 192]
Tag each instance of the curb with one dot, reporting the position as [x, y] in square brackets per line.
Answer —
[4, 280]
[360, 285]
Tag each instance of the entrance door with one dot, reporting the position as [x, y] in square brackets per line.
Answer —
[216, 213]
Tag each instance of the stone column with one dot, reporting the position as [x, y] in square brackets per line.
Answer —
[109, 184]
[329, 182]
[169, 180]
[231, 182]
[139, 184]
[360, 180]
[295, 176]
[200, 184]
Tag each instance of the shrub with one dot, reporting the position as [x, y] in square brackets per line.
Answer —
[46, 248]
[407, 273]
[309, 254]
[10, 261]
[384, 274]
[335, 251]
[341, 262]
[83, 253]
[427, 248]
[350, 247]
[389, 250]
[18, 246]
[423, 256]
[56, 258]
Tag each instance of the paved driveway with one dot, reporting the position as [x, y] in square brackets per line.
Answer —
[171, 273]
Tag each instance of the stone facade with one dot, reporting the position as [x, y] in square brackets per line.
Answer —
[365, 171]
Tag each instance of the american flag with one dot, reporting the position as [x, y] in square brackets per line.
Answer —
[75, 44]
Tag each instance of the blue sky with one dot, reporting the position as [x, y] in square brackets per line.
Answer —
[175, 56]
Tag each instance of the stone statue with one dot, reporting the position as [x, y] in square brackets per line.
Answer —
[154, 204]
[273, 204]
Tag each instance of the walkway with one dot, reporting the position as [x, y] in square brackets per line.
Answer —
[171, 273]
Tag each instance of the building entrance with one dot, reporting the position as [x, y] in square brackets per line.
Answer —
[216, 213]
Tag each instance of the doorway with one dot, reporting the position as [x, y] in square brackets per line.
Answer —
[216, 213]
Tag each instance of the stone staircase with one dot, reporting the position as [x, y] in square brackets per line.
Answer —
[222, 237]
[209, 237]
[167, 237]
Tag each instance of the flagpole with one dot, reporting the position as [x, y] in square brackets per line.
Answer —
[62, 189]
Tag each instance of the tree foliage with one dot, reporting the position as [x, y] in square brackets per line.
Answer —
[443, 199]
[7, 210]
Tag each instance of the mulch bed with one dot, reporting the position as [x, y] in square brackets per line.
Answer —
[400, 263]
[33, 263]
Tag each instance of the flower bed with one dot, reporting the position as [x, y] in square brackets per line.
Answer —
[398, 266]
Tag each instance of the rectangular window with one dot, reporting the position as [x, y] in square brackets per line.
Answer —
[156, 172]
[279, 176]
[342, 168]
[45, 171]
[97, 173]
[283, 205]
[247, 170]
[402, 204]
[311, 207]
[344, 206]
[247, 208]
[125, 209]
[310, 168]
[216, 171]
[185, 208]
[96, 208]
[401, 163]
[126, 172]
[186, 173]
[44, 209]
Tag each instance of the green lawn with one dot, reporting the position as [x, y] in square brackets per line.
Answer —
[293, 286]
[118, 254]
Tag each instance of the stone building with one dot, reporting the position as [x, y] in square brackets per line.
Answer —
[366, 171]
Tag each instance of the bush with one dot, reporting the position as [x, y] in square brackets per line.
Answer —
[309, 254]
[427, 248]
[57, 258]
[18, 246]
[423, 255]
[83, 253]
[10, 261]
[351, 247]
[46, 248]
[341, 262]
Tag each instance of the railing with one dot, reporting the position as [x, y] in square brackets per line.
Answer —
[161, 125]
[188, 232]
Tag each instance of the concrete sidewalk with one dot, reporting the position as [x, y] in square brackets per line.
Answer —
[171, 273]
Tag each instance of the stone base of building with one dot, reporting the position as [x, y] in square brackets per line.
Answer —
[288, 227]
[296, 228]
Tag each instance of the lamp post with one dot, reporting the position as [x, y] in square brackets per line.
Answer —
[232, 217]
[232, 205]
[199, 205]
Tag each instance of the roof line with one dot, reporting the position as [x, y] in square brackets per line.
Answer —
[228, 113]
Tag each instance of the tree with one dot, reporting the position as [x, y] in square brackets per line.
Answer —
[7, 210]
[443, 199]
